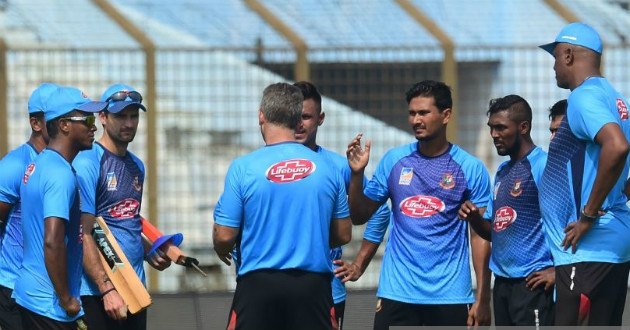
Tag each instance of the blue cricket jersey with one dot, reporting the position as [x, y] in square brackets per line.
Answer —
[111, 188]
[518, 241]
[283, 197]
[49, 189]
[13, 166]
[426, 258]
[571, 168]
[381, 215]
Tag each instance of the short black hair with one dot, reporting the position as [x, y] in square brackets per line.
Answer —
[310, 92]
[440, 92]
[558, 109]
[517, 107]
[52, 126]
[39, 115]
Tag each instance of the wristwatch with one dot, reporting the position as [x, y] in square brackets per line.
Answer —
[588, 218]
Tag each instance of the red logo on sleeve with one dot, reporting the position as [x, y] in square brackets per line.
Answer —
[290, 170]
[622, 109]
[29, 171]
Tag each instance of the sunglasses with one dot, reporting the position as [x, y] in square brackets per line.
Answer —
[123, 95]
[88, 120]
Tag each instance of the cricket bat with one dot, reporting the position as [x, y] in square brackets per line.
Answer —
[168, 244]
[119, 270]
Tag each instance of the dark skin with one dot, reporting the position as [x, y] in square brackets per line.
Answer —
[429, 126]
[573, 65]
[513, 139]
[71, 138]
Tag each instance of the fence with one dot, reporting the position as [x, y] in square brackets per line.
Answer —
[206, 103]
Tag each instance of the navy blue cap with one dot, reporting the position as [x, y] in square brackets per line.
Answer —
[40, 96]
[117, 106]
[578, 34]
[175, 238]
[65, 99]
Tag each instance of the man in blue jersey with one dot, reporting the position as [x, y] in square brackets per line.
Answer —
[288, 206]
[583, 207]
[111, 179]
[306, 133]
[425, 276]
[13, 166]
[520, 260]
[47, 286]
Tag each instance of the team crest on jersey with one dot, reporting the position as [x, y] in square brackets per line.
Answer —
[622, 109]
[516, 190]
[421, 206]
[136, 184]
[125, 209]
[290, 170]
[29, 171]
[448, 181]
[503, 218]
[406, 174]
[112, 182]
[496, 189]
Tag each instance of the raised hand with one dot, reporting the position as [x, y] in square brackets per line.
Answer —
[357, 156]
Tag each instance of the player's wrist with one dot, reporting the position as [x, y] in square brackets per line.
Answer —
[587, 216]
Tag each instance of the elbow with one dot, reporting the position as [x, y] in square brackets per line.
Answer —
[346, 237]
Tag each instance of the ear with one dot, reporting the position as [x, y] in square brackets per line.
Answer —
[446, 113]
[261, 118]
[102, 117]
[322, 115]
[524, 127]
[64, 125]
[36, 124]
[568, 55]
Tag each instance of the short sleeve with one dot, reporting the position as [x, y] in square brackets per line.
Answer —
[12, 174]
[377, 188]
[377, 225]
[229, 209]
[59, 193]
[479, 184]
[87, 169]
[588, 112]
[490, 205]
[341, 201]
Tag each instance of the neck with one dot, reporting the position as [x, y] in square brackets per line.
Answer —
[582, 77]
[433, 147]
[312, 146]
[273, 134]
[526, 146]
[117, 148]
[37, 141]
[64, 147]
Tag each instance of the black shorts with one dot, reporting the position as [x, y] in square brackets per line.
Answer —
[34, 321]
[591, 293]
[395, 313]
[339, 310]
[10, 317]
[97, 319]
[516, 305]
[282, 299]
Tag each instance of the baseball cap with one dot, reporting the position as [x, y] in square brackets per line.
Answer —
[578, 34]
[65, 99]
[39, 97]
[117, 106]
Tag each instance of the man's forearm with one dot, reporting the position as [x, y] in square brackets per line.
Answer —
[361, 207]
[365, 255]
[55, 259]
[610, 166]
[92, 264]
[481, 257]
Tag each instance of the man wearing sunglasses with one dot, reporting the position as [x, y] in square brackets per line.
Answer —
[111, 180]
[12, 167]
[47, 286]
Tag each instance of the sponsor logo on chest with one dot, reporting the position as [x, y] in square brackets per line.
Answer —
[406, 174]
[421, 206]
[503, 218]
[124, 209]
[290, 170]
[112, 182]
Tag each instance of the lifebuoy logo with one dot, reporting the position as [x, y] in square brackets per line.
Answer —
[622, 109]
[29, 171]
[125, 209]
[503, 218]
[290, 170]
[421, 206]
